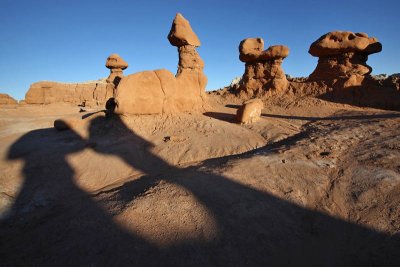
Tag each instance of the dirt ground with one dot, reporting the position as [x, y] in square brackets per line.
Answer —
[312, 183]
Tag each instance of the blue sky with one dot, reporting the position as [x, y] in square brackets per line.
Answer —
[69, 41]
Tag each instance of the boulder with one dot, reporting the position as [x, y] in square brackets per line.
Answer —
[116, 65]
[250, 111]
[342, 57]
[263, 68]
[160, 91]
[92, 93]
[5, 99]
[181, 33]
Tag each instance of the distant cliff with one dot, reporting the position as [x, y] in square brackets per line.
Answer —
[89, 93]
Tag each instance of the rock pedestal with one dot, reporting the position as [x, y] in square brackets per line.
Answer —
[116, 65]
[159, 91]
[263, 68]
[343, 57]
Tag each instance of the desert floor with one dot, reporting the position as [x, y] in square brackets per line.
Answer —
[311, 183]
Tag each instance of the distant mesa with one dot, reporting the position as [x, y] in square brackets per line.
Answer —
[92, 93]
[116, 65]
[160, 91]
[263, 68]
[5, 99]
[343, 55]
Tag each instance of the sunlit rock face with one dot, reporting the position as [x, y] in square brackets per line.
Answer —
[160, 91]
[263, 68]
[343, 56]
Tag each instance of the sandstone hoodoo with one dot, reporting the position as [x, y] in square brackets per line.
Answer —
[250, 111]
[116, 65]
[343, 56]
[159, 91]
[5, 99]
[263, 68]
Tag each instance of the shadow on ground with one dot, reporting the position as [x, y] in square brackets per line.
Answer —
[55, 223]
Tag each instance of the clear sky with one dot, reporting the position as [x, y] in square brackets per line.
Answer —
[69, 40]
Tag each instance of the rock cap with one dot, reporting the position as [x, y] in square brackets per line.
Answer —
[340, 42]
[181, 33]
[251, 50]
[114, 61]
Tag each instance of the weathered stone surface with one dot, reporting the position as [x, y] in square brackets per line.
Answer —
[340, 42]
[343, 57]
[250, 111]
[181, 33]
[251, 50]
[88, 93]
[159, 91]
[263, 68]
[116, 65]
[5, 99]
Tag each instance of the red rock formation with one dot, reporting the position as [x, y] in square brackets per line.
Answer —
[263, 70]
[116, 65]
[159, 91]
[5, 99]
[343, 56]
[88, 93]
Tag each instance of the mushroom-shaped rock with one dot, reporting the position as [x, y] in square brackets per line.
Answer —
[340, 42]
[181, 33]
[250, 111]
[343, 56]
[159, 91]
[263, 70]
[116, 65]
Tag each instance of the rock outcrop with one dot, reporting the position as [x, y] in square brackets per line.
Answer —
[5, 99]
[116, 65]
[87, 93]
[263, 68]
[342, 57]
[250, 111]
[159, 91]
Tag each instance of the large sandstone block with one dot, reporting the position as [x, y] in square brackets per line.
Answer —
[5, 99]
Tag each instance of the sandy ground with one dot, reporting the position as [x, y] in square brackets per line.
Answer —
[311, 183]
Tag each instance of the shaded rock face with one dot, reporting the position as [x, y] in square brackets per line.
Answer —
[159, 91]
[5, 99]
[87, 93]
[116, 65]
[343, 57]
[263, 68]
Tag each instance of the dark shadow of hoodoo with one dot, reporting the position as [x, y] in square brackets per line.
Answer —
[54, 222]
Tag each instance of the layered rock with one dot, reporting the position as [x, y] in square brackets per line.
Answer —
[116, 65]
[87, 93]
[5, 99]
[263, 68]
[159, 91]
[343, 56]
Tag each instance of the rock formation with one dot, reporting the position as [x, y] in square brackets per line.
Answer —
[87, 93]
[342, 57]
[263, 70]
[159, 91]
[250, 111]
[5, 99]
[116, 65]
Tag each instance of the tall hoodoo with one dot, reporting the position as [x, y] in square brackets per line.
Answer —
[343, 56]
[263, 68]
[159, 91]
